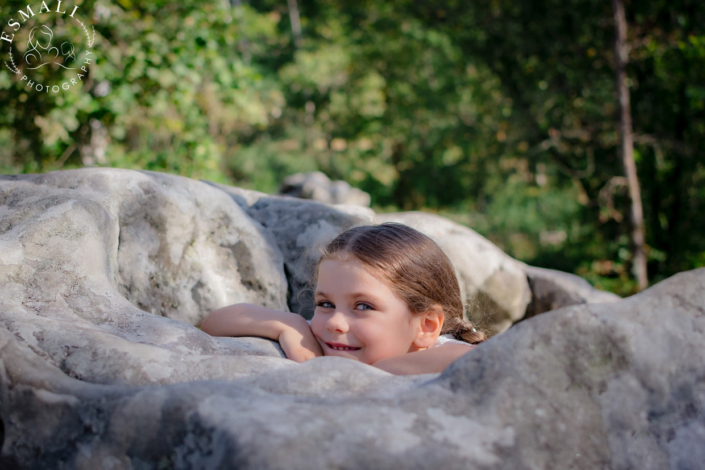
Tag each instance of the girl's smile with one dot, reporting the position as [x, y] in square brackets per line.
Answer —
[358, 316]
[341, 347]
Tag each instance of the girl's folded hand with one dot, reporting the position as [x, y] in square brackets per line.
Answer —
[298, 342]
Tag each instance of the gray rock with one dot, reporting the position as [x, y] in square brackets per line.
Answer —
[317, 186]
[594, 386]
[82, 250]
[88, 380]
[494, 285]
[553, 289]
[243, 197]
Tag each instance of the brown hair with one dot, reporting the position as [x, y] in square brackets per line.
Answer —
[414, 266]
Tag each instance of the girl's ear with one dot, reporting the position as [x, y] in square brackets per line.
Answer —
[429, 327]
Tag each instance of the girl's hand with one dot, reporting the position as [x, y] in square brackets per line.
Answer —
[298, 342]
[291, 330]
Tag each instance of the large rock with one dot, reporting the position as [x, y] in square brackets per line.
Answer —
[82, 250]
[585, 387]
[317, 186]
[493, 285]
[88, 380]
[172, 246]
[553, 289]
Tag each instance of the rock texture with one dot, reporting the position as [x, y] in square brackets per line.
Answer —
[553, 289]
[82, 250]
[170, 245]
[98, 370]
[317, 186]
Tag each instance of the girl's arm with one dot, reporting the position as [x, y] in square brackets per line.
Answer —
[291, 330]
[424, 362]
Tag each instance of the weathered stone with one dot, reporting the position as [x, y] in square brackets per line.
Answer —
[173, 246]
[244, 197]
[317, 186]
[78, 246]
[593, 386]
[493, 284]
[553, 289]
[88, 380]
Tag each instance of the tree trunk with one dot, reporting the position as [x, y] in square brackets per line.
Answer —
[244, 43]
[295, 22]
[627, 144]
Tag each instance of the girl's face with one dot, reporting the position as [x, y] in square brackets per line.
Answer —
[358, 316]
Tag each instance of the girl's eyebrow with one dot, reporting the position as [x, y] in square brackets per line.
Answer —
[354, 295]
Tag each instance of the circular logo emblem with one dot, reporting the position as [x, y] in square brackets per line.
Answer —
[48, 47]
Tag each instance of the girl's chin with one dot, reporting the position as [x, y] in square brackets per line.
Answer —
[345, 354]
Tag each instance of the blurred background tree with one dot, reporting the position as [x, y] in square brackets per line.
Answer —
[501, 115]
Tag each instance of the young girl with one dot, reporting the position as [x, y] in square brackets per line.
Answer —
[385, 295]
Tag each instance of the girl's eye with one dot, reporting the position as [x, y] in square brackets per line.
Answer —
[365, 307]
[325, 304]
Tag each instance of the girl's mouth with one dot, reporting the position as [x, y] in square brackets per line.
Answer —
[341, 347]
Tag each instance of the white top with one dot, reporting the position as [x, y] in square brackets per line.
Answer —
[446, 339]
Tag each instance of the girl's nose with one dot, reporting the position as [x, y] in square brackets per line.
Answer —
[337, 323]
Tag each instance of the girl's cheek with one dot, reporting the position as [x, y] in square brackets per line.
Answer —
[315, 323]
[366, 331]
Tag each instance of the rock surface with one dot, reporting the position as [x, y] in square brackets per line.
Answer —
[82, 250]
[317, 186]
[553, 289]
[89, 380]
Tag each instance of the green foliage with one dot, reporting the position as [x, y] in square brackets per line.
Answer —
[500, 115]
[167, 92]
[554, 60]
